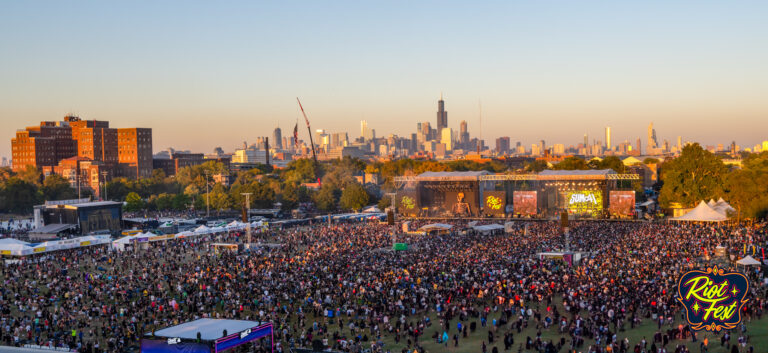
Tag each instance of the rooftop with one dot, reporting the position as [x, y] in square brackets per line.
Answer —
[210, 329]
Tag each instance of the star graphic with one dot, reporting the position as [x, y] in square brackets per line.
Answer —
[734, 291]
[696, 308]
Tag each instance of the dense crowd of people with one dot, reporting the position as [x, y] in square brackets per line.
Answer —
[341, 287]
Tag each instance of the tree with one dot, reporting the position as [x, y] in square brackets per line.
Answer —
[384, 202]
[571, 163]
[133, 202]
[219, 198]
[325, 198]
[693, 176]
[613, 162]
[747, 189]
[56, 187]
[536, 166]
[354, 197]
[20, 195]
[31, 175]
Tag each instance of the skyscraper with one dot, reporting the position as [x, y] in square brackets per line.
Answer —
[463, 134]
[502, 145]
[278, 138]
[442, 115]
[608, 138]
[586, 141]
[652, 144]
[365, 133]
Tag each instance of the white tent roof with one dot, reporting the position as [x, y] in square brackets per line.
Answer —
[371, 209]
[748, 261]
[5, 241]
[487, 227]
[723, 207]
[184, 234]
[436, 226]
[202, 230]
[702, 213]
[711, 203]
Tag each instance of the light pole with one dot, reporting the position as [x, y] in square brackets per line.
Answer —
[207, 199]
[104, 174]
[247, 217]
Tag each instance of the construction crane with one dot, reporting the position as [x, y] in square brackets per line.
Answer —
[311, 142]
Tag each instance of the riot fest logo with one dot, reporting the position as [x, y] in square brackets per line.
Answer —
[712, 299]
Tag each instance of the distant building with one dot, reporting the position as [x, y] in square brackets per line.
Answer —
[446, 138]
[121, 152]
[177, 161]
[502, 145]
[442, 115]
[278, 138]
[134, 150]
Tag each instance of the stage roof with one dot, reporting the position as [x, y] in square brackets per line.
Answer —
[210, 329]
[588, 172]
[454, 174]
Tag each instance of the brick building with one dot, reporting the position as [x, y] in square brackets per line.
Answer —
[134, 150]
[51, 146]
[177, 161]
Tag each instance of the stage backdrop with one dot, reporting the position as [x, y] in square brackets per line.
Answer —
[585, 201]
[622, 202]
[494, 202]
[407, 203]
[525, 202]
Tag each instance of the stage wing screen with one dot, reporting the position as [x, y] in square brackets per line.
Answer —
[525, 202]
[622, 202]
[494, 202]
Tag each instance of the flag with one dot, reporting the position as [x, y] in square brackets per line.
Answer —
[296, 134]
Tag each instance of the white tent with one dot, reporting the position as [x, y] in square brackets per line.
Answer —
[5, 241]
[235, 225]
[436, 226]
[702, 213]
[184, 234]
[723, 207]
[218, 230]
[748, 261]
[711, 203]
[371, 209]
[18, 249]
[488, 228]
[202, 230]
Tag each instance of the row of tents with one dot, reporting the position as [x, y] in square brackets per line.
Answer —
[199, 231]
[712, 211]
[15, 247]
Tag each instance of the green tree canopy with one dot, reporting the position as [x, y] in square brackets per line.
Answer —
[571, 163]
[695, 175]
[354, 197]
[133, 202]
[56, 187]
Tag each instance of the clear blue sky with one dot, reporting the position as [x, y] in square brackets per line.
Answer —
[215, 73]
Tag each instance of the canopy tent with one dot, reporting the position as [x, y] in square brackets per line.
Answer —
[711, 203]
[748, 261]
[16, 249]
[723, 207]
[235, 225]
[218, 230]
[184, 234]
[372, 209]
[202, 230]
[5, 241]
[488, 228]
[436, 227]
[702, 213]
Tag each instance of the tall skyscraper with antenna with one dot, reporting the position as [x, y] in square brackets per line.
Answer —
[442, 115]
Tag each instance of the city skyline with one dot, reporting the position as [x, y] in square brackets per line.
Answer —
[236, 77]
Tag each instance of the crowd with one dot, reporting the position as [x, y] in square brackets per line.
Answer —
[340, 287]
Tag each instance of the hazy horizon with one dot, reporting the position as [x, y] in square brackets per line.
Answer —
[204, 74]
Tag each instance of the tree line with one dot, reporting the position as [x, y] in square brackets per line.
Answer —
[695, 175]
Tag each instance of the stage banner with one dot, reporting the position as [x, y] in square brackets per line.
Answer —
[494, 202]
[461, 203]
[585, 201]
[525, 202]
[407, 203]
[622, 202]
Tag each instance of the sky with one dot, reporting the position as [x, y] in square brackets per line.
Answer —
[203, 74]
